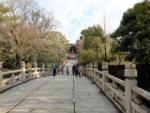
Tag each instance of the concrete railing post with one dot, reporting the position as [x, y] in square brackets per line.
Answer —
[92, 72]
[43, 67]
[96, 65]
[23, 69]
[91, 65]
[1, 78]
[130, 81]
[94, 68]
[104, 72]
[1, 65]
[35, 70]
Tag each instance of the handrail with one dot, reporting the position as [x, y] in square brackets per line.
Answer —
[136, 103]
[10, 72]
[11, 78]
[141, 92]
[117, 80]
[122, 93]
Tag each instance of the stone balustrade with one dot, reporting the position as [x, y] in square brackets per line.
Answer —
[125, 94]
[12, 78]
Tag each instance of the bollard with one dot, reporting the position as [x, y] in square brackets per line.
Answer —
[43, 69]
[96, 65]
[104, 72]
[36, 74]
[1, 81]
[1, 78]
[130, 81]
[23, 70]
[91, 65]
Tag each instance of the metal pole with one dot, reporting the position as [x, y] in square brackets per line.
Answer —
[105, 51]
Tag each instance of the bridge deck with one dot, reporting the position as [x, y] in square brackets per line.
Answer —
[55, 95]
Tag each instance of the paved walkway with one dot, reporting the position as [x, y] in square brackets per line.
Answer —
[55, 95]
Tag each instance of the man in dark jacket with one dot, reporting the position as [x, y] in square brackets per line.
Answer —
[54, 69]
[76, 69]
[73, 69]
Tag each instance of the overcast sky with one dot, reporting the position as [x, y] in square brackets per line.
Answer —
[75, 15]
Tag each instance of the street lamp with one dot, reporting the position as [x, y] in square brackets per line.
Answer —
[105, 50]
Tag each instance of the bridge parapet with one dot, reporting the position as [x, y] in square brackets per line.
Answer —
[125, 94]
[12, 78]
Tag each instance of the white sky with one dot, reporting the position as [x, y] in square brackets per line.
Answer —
[75, 15]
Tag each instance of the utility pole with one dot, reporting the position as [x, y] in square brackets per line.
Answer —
[105, 49]
[104, 22]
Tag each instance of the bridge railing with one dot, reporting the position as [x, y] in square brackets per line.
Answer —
[136, 103]
[13, 78]
[125, 94]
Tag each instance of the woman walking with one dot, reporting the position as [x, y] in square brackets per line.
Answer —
[67, 71]
[62, 69]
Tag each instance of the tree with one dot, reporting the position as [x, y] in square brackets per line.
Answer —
[134, 31]
[87, 56]
[94, 38]
[29, 30]
[4, 40]
[30, 35]
[18, 27]
[57, 45]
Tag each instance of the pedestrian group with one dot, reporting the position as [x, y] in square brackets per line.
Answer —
[76, 70]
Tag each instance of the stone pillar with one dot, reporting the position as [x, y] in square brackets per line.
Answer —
[43, 67]
[36, 74]
[96, 65]
[43, 70]
[1, 65]
[1, 78]
[23, 70]
[130, 81]
[91, 65]
[104, 72]
[88, 65]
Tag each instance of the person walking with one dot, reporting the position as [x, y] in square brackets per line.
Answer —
[54, 69]
[67, 71]
[76, 70]
[62, 69]
[73, 69]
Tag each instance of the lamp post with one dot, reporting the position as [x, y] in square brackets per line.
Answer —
[105, 49]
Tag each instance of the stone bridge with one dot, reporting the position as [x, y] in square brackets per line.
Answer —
[36, 91]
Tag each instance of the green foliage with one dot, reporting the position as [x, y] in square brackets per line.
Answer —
[27, 33]
[3, 13]
[134, 31]
[91, 35]
[4, 39]
[94, 39]
[87, 56]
